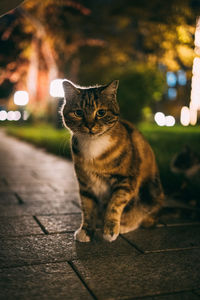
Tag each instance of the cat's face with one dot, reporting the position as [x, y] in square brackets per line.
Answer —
[90, 111]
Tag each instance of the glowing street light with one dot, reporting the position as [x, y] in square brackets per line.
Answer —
[56, 88]
[21, 98]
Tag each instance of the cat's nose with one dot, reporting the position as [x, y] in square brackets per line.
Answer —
[90, 126]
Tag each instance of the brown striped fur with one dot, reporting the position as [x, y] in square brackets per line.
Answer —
[115, 166]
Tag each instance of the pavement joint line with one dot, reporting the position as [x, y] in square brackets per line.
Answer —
[40, 225]
[36, 234]
[184, 224]
[59, 214]
[171, 250]
[20, 236]
[132, 244]
[162, 294]
[44, 215]
[81, 279]
[19, 199]
[34, 174]
[75, 204]
[53, 187]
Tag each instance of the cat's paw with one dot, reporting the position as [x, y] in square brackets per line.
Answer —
[81, 236]
[109, 237]
[111, 231]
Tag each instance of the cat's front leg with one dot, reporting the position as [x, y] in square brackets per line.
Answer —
[89, 212]
[115, 207]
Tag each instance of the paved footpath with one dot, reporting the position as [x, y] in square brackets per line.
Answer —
[39, 259]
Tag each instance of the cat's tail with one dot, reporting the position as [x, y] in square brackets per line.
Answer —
[177, 209]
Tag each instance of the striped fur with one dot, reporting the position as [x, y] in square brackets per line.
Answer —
[115, 166]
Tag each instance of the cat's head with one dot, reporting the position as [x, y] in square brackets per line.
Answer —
[90, 111]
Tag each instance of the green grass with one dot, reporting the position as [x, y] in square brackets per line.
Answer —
[45, 136]
[165, 141]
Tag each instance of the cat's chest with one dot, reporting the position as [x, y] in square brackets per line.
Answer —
[100, 187]
[91, 148]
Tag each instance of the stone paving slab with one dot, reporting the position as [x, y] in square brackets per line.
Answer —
[163, 238]
[31, 188]
[8, 198]
[129, 277]
[176, 296]
[169, 221]
[59, 197]
[37, 249]
[60, 223]
[18, 226]
[39, 259]
[38, 208]
[3, 187]
[38, 203]
[42, 282]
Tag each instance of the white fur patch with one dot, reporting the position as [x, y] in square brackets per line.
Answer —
[100, 188]
[92, 147]
[110, 238]
[81, 236]
[192, 171]
[189, 173]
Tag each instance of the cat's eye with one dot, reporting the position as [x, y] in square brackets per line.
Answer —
[100, 113]
[78, 113]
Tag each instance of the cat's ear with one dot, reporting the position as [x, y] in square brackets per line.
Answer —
[111, 88]
[69, 89]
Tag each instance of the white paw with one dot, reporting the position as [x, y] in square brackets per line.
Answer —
[81, 236]
[110, 238]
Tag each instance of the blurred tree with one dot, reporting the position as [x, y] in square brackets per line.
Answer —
[90, 41]
[140, 86]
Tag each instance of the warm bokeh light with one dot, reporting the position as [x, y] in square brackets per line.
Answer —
[17, 115]
[26, 115]
[159, 118]
[56, 88]
[197, 34]
[195, 83]
[185, 116]
[21, 98]
[193, 116]
[196, 66]
[3, 115]
[10, 115]
[170, 121]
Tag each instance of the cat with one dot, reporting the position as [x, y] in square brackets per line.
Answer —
[115, 166]
[187, 164]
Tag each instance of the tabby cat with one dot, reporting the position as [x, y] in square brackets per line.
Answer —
[116, 169]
